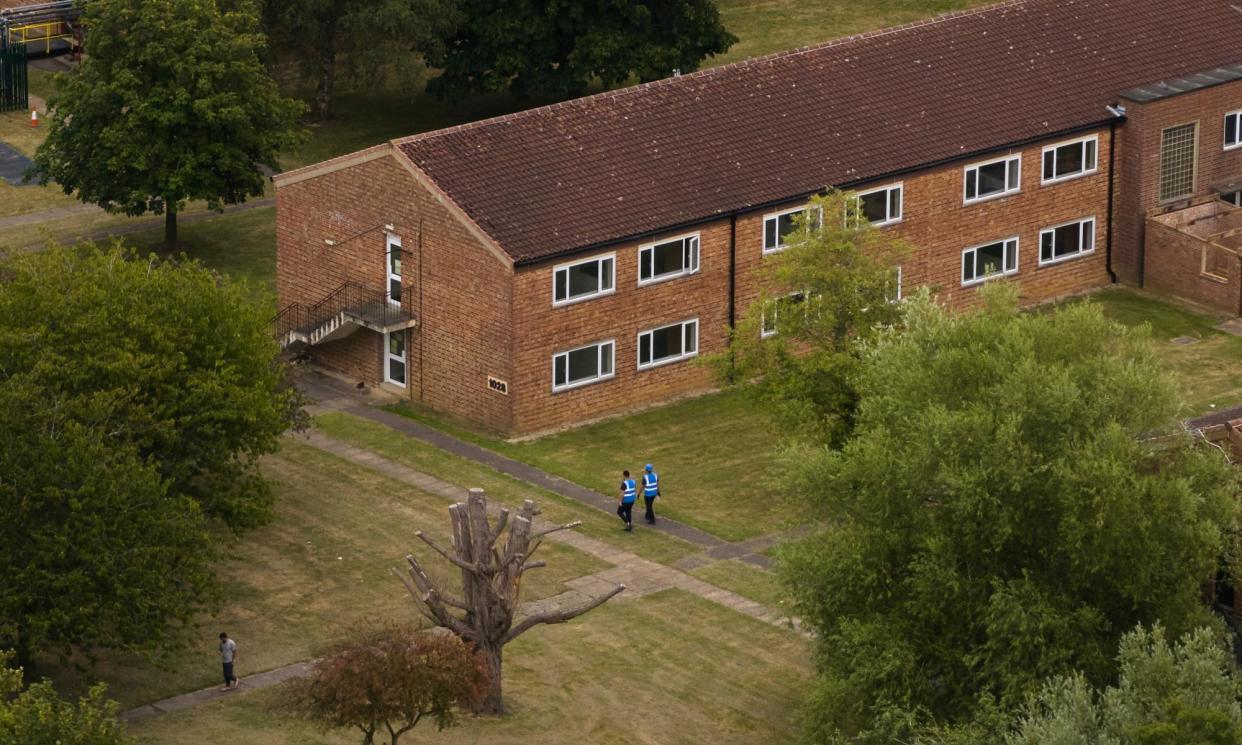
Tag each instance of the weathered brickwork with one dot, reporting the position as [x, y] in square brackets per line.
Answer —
[461, 289]
[1138, 168]
[1175, 266]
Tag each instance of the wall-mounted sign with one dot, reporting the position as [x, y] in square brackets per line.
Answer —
[498, 385]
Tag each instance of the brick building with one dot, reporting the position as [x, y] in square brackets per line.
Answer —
[557, 265]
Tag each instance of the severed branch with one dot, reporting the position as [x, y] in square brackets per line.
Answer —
[559, 616]
[554, 528]
[456, 561]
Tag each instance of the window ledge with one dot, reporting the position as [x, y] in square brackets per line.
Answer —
[1069, 177]
[1063, 259]
[666, 278]
[582, 299]
[990, 197]
[669, 361]
[582, 383]
[989, 278]
[1214, 278]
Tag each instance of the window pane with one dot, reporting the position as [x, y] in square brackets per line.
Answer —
[1067, 241]
[605, 359]
[583, 278]
[1050, 159]
[1232, 134]
[1089, 159]
[668, 258]
[562, 284]
[583, 364]
[894, 204]
[769, 233]
[1011, 255]
[666, 342]
[396, 344]
[605, 280]
[968, 266]
[1069, 159]
[1088, 236]
[560, 369]
[992, 178]
[692, 341]
[1177, 162]
[644, 263]
[971, 189]
[1012, 171]
[785, 226]
[1045, 246]
[989, 259]
[396, 371]
[644, 349]
[874, 206]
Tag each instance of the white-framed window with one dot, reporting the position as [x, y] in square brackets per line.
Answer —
[773, 309]
[894, 293]
[993, 178]
[1067, 160]
[881, 206]
[1179, 147]
[986, 261]
[777, 227]
[1065, 241]
[1233, 130]
[583, 365]
[659, 346]
[585, 279]
[668, 259]
[1233, 197]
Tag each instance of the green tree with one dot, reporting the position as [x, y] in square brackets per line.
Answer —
[556, 47]
[388, 678]
[37, 716]
[1012, 499]
[369, 36]
[822, 299]
[170, 103]
[135, 398]
[1181, 694]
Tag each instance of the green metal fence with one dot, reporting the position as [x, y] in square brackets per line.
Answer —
[14, 93]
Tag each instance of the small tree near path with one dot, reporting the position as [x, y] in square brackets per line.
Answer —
[491, 580]
[388, 679]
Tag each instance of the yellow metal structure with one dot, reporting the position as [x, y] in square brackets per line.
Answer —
[43, 32]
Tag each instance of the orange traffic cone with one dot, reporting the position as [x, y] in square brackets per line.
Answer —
[34, 117]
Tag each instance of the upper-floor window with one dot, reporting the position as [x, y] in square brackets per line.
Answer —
[668, 343]
[773, 309]
[777, 227]
[1233, 130]
[881, 206]
[989, 260]
[993, 179]
[1066, 241]
[1070, 159]
[583, 365]
[668, 259]
[584, 279]
[1177, 161]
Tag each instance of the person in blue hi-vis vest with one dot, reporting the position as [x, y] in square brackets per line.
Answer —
[626, 499]
[651, 490]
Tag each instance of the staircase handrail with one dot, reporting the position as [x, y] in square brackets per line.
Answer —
[368, 302]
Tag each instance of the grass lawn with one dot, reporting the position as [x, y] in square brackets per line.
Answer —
[748, 581]
[629, 672]
[1207, 371]
[432, 460]
[320, 565]
[713, 454]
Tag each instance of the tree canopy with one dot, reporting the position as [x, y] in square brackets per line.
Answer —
[37, 716]
[386, 679]
[136, 396]
[171, 103]
[822, 298]
[1012, 499]
[556, 48]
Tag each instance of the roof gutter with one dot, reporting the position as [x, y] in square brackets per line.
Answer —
[807, 194]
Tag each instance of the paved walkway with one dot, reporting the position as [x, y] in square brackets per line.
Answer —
[13, 165]
[637, 575]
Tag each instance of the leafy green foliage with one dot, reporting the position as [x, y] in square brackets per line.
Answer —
[388, 678]
[369, 37]
[37, 716]
[1012, 499]
[556, 48]
[170, 103]
[821, 299]
[1182, 694]
[137, 396]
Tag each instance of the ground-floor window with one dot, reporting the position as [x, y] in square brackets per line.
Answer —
[668, 343]
[1066, 241]
[989, 260]
[583, 365]
[394, 358]
[1233, 197]
[776, 306]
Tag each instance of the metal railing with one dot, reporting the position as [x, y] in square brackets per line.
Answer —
[368, 305]
[42, 23]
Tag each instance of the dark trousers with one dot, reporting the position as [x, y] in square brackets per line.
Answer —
[229, 677]
[650, 508]
[625, 511]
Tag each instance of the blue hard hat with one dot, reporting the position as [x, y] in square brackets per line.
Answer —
[648, 466]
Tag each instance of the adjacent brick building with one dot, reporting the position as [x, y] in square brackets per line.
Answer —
[565, 263]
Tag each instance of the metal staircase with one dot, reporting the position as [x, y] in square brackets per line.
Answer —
[345, 310]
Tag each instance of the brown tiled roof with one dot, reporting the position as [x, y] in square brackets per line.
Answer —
[547, 181]
[7, 4]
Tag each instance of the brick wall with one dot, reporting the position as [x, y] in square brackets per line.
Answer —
[461, 292]
[1138, 168]
[1175, 261]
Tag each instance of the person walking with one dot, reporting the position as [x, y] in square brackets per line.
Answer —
[651, 490]
[626, 499]
[228, 655]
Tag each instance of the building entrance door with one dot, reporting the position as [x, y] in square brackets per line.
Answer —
[394, 358]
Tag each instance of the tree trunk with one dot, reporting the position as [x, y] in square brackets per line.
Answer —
[170, 222]
[493, 703]
[327, 71]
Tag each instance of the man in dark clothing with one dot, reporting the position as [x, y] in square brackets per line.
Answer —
[228, 655]
[626, 499]
[651, 490]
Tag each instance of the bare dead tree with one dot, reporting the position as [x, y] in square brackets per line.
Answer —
[491, 583]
